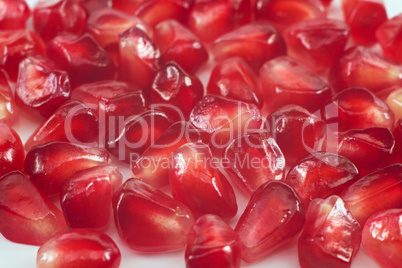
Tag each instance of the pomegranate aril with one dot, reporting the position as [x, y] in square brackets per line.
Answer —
[320, 175]
[148, 220]
[179, 44]
[16, 46]
[94, 5]
[273, 216]
[209, 19]
[173, 86]
[8, 110]
[212, 243]
[14, 14]
[27, 216]
[397, 153]
[86, 197]
[140, 59]
[317, 43]
[51, 164]
[82, 57]
[127, 6]
[256, 43]
[331, 236]
[389, 36]
[262, 149]
[286, 81]
[284, 13]
[382, 237]
[326, 3]
[79, 248]
[361, 67]
[394, 101]
[51, 18]
[377, 191]
[41, 86]
[12, 152]
[153, 165]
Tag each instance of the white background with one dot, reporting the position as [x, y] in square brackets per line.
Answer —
[14, 255]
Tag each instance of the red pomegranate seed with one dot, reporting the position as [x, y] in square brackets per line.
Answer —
[255, 42]
[196, 182]
[127, 6]
[86, 197]
[12, 152]
[16, 46]
[82, 57]
[15, 14]
[382, 237]
[320, 175]
[254, 159]
[326, 3]
[233, 78]
[364, 17]
[93, 5]
[209, 19]
[51, 18]
[79, 248]
[8, 110]
[360, 67]
[389, 36]
[51, 164]
[317, 43]
[41, 86]
[130, 138]
[273, 216]
[286, 81]
[394, 101]
[153, 165]
[154, 11]
[377, 191]
[331, 236]
[149, 220]
[27, 216]
[212, 243]
[296, 131]
[140, 59]
[397, 154]
[72, 122]
[283, 13]
[179, 44]
[173, 86]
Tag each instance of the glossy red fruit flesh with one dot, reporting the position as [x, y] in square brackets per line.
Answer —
[140, 59]
[177, 43]
[234, 79]
[79, 248]
[286, 81]
[12, 153]
[377, 191]
[51, 164]
[51, 18]
[82, 57]
[331, 236]
[93, 5]
[14, 15]
[394, 101]
[273, 216]
[209, 19]
[360, 67]
[326, 3]
[41, 86]
[256, 43]
[284, 13]
[369, 149]
[153, 165]
[133, 136]
[389, 36]
[86, 197]
[320, 175]
[382, 237]
[317, 43]
[397, 154]
[364, 17]
[296, 131]
[16, 46]
[175, 91]
[149, 220]
[127, 6]
[27, 216]
[212, 243]
[8, 110]
[254, 159]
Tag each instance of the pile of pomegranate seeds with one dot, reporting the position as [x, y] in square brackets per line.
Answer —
[228, 131]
